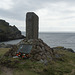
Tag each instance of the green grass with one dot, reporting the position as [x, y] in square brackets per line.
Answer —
[64, 65]
[3, 51]
[27, 67]
[20, 68]
[24, 72]
[4, 28]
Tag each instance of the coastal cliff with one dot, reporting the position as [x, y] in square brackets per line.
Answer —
[8, 32]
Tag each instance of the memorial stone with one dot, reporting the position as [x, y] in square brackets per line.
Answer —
[32, 25]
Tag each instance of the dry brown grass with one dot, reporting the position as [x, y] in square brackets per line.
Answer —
[3, 50]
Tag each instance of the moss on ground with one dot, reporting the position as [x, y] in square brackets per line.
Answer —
[3, 51]
[64, 65]
[24, 72]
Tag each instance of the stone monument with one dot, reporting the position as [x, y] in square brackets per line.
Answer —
[32, 21]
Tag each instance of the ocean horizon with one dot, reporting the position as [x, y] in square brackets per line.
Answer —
[53, 39]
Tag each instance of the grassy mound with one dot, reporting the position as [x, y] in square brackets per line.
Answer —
[63, 65]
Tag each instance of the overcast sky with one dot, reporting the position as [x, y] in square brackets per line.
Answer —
[54, 15]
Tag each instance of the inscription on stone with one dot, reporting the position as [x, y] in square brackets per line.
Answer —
[32, 22]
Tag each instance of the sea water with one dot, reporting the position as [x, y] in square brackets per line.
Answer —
[59, 39]
[53, 39]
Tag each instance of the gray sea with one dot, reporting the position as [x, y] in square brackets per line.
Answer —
[53, 39]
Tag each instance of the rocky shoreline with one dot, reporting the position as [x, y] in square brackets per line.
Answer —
[63, 48]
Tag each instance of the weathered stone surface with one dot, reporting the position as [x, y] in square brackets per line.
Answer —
[31, 25]
[43, 57]
[12, 51]
[39, 50]
[38, 58]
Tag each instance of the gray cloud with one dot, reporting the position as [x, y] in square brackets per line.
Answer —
[57, 9]
[20, 7]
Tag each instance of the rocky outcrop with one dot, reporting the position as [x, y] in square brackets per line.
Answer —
[8, 32]
[63, 48]
[40, 51]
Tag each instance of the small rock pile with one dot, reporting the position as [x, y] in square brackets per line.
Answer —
[12, 51]
[63, 48]
[40, 50]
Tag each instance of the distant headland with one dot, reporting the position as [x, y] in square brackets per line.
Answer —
[8, 32]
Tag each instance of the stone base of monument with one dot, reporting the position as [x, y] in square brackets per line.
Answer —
[40, 51]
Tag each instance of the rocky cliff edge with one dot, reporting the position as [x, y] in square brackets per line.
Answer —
[8, 32]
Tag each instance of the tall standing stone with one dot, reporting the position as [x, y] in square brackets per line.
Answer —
[32, 22]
